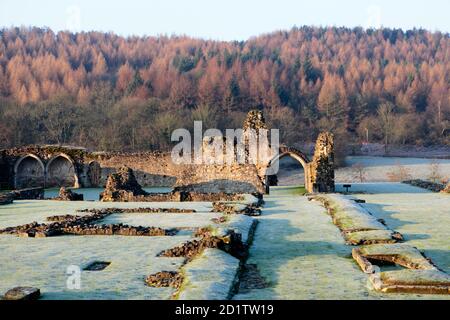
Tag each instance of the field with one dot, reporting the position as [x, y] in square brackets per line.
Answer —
[297, 252]
[375, 169]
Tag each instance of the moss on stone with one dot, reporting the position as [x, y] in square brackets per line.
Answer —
[415, 277]
[370, 237]
[399, 253]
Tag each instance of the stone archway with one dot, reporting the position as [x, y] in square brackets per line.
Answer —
[29, 171]
[60, 172]
[295, 154]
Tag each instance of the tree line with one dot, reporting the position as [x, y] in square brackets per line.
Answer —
[108, 92]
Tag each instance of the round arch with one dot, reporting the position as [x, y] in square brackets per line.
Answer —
[60, 172]
[29, 171]
[293, 153]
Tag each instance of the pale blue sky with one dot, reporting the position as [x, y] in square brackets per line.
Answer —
[225, 19]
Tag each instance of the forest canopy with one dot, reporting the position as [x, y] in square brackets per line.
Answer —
[108, 92]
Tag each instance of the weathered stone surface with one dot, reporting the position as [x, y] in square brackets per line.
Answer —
[432, 186]
[83, 225]
[134, 210]
[122, 186]
[399, 253]
[371, 237]
[322, 165]
[348, 215]
[28, 194]
[230, 207]
[165, 279]
[254, 120]
[6, 198]
[211, 276]
[411, 281]
[230, 243]
[68, 195]
[22, 293]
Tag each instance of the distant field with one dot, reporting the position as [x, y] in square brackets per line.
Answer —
[376, 169]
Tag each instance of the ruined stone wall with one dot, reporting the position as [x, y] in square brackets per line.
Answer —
[321, 169]
[233, 178]
[158, 170]
[55, 166]
[33, 166]
[151, 168]
[4, 171]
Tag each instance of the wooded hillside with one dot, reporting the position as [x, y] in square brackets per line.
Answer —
[108, 92]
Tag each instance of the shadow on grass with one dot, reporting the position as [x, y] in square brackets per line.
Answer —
[274, 251]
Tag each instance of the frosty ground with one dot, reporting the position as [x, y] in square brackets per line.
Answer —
[296, 248]
[302, 255]
[375, 169]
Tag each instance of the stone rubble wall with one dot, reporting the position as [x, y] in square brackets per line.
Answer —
[321, 169]
[158, 170]
[77, 167]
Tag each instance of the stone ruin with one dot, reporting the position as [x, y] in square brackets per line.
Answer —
[57, 166]
[122, 185]
[322, 166]
[68, 195]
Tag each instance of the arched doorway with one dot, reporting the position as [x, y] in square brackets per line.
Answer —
[29, 171]
[289, 168]
[290, 172]
[61, 172]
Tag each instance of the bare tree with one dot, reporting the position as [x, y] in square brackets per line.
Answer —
[434, 172]
[386, 117]
[359, 172]
[399, 173]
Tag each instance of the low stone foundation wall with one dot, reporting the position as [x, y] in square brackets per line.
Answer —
[6, 198]
[82, 225]
[432, 186]
[28, 194]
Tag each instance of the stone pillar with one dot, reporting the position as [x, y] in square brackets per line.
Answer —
[321, 173]
[253, 128]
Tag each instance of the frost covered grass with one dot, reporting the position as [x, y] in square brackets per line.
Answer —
[92, 194]
[377, 168]
[162, 220]
[43, 262]
[26, 211]
[350, 217]
[422, 217]
[302, 255]
[210, 276]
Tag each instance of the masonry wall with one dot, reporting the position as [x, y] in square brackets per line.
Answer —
[150, 169]
[158, 170]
